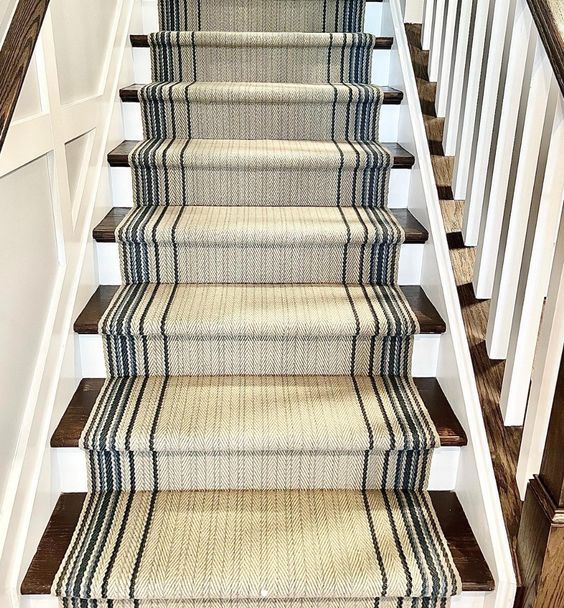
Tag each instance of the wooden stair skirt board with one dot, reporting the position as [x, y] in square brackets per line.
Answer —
[468, 558]
[427, 315]
[130, 94]
[104, 232]
[383, 43]
[67, 433]
[402, 159]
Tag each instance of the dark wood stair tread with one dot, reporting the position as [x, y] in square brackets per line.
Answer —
[429, 319]
[466, 553]
[119, 156]
[104, 232]
[141, 41]
[130, 94]
[69, 429]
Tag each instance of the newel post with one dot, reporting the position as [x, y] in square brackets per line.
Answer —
[540, 543]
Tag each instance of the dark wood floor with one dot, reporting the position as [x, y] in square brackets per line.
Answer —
[504, 441]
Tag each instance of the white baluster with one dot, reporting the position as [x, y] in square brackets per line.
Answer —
[458, 77]
[494, 83]
[496, 189]
[545, 372]
[436, 39]
[427, 26]
[473, 96]
[519, 199]
[535, 270]
[447, 58]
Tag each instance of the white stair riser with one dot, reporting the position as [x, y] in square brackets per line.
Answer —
[133, 126]
[423, 365]
[69, 465]
[122, 191]
[468, 599]
[411, 258]
[380, 66]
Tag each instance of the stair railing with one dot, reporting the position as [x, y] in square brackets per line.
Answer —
[499, 68]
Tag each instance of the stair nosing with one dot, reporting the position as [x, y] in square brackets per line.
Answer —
[428, 317]
[141, 41]
[402, 159]
[468, 558]
[130, 94]
[104, 231]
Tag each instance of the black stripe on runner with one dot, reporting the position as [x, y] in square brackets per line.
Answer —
[193, 41]
[199, 14]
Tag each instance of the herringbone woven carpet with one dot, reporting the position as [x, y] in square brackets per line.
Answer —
[259, 440]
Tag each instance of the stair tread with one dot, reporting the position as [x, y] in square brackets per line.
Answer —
[402, 159]
[130, 94]
[381, 42]
[104, 232]
[244, 310]
[428, 317]
[71, 425]
[466, 553]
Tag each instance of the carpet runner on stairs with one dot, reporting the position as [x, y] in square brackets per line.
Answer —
[259, 440]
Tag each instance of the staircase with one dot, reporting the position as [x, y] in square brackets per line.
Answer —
[259, 420]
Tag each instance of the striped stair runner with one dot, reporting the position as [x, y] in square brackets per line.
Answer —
[259, 440]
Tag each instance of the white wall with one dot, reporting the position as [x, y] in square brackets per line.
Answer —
[54, 185]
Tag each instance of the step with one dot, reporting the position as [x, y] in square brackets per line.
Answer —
[290, 234]
[69, 429]
[234, 191]
[104, 231]
[468, 559]
[232, 60]
[279, 120]
[402, 159]
[267, 57]
[70, 462]
[227, 329]
[425, 350]
[427, 315]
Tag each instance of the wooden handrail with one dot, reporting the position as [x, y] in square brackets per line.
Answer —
[15, 56]
[548, 16]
